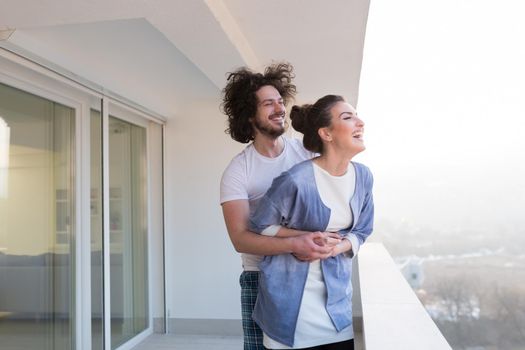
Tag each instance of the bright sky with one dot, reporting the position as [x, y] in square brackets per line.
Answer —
[442, 93]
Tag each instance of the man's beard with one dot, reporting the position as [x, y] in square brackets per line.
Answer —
[267, 129]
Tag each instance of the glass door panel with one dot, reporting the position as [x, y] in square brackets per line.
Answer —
[37, 222]
[128, 230]
[95, 197]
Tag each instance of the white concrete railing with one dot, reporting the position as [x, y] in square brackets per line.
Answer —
[392, 316]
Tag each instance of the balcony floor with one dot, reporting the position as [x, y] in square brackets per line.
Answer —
[190, 342]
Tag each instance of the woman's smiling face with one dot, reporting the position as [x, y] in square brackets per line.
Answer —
[346, 129]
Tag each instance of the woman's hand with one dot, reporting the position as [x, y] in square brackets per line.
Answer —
[344, 246]
[335, 241]
[329, 239]
[322, 245]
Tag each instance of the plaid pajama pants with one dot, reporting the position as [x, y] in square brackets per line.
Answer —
[253, 336]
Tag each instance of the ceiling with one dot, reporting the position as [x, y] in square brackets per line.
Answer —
[160, 43]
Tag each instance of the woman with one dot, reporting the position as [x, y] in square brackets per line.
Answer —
[309, 304]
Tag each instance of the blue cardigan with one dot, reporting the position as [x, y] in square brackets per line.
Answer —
[293, 201]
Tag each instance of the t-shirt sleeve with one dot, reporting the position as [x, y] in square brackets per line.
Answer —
[272, 230]
[233, 182]
[298, 146]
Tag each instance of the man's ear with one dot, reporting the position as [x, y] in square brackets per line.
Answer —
[325, 134]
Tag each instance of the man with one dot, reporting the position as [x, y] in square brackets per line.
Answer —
[255, 106]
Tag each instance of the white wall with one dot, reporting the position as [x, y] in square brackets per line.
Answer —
[203, 268]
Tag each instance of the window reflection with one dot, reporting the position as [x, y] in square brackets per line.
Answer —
[36, 222]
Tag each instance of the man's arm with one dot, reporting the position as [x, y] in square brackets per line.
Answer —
[236, 215]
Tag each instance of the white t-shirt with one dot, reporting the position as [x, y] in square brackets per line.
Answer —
[250, 174]
[314, 326]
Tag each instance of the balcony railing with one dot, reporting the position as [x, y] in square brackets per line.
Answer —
[388, 313]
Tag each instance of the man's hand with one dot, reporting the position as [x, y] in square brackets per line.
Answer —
[315, 245]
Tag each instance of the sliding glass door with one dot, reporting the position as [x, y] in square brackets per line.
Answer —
[74, 225]
[37, 222]
[128, 230]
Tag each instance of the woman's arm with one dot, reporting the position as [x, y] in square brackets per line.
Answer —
[303, 244]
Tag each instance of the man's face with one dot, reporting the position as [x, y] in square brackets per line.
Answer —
[269, 118]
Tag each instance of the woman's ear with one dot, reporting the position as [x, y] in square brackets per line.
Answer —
[324, 134]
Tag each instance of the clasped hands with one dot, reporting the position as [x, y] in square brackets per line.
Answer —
[320, 245]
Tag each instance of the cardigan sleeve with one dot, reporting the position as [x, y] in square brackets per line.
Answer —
[365, 224]
[275, 206]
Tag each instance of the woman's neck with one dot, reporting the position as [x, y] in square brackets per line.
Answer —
[335, 165]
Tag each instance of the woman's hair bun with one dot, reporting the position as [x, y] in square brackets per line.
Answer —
[299, 117]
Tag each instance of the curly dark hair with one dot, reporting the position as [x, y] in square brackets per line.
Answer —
[239, 99]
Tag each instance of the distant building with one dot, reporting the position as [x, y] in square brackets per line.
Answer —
[412, 269]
